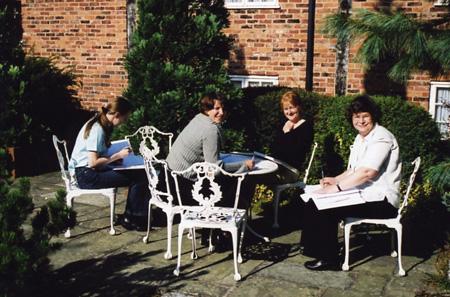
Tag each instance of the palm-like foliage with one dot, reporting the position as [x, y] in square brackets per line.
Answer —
[414, 45]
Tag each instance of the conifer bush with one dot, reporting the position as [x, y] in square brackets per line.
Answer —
[177, 55]
[24, 252]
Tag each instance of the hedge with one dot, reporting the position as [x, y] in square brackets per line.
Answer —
[416, 133]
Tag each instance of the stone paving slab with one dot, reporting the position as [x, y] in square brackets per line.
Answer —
[94, 263]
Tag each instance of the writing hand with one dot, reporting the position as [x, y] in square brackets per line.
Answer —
[123, 152]
[327, 181]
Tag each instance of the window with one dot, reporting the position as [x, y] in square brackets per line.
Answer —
[245, 81]
[236, 4]
[440, 105]
[441, 2]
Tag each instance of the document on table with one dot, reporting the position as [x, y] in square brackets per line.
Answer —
[131, 161]
[339, 199]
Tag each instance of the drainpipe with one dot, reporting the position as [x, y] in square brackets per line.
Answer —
[310, 45]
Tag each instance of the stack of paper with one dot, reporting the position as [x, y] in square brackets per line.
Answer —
[339, 199]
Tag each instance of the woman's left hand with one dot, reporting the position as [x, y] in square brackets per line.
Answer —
[288, 126]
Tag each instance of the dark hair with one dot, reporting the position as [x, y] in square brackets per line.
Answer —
[119, 104]
[363, 103]
[207, 101]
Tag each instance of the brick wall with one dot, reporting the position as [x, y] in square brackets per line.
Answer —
[89, 35]
[273, 42]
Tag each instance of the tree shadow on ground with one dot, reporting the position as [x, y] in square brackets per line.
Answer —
[108, 276]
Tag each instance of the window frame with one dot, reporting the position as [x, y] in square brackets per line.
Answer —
[441, 3]
[245, 79]
[434, 87]
[244, 4]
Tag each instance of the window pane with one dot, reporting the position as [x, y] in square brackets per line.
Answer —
[237, 83]
[253, 84]
[267, 84]
[442, 112]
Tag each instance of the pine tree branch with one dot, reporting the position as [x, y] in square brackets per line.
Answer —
[413, 45]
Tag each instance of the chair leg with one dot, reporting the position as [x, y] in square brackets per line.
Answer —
[194, 245]
[244, 225]
[190, 235]
[180, 240]
[211, 247]
[69, 202]
[145, 239]
[393, 251]
[401, 271]
[347, 229]
[168, 254]
[237, 276]
[275, 208]
[112, 205]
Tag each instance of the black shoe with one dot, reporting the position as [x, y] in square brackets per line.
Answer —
[126, 222]
[140, 223]
[321, 265]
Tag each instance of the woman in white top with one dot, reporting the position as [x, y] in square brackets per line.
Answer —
[374, 168]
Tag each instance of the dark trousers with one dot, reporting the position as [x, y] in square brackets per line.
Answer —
[135, 180]
[320, 228]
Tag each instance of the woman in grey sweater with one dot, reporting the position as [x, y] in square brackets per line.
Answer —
[201, 139]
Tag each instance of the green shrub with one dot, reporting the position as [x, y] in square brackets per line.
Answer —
[416, 133]
[439, 177]
[178, 55]
[25, 262]
[29, 91]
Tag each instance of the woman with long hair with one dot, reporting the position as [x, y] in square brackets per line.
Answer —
[89, 162]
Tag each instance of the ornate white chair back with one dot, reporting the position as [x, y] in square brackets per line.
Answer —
[152, 175]
[311, 158]
[148, 136]
[63, 159]
[412, 177]
[206, 191]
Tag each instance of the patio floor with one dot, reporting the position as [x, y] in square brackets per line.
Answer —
[93, 263]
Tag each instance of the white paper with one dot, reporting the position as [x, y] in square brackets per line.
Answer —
[339, 199]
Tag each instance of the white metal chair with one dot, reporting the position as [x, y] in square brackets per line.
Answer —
[277, 189]
[393, 223]
[72, 188]
[163, 200]
[206, 214]
[149, 135]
